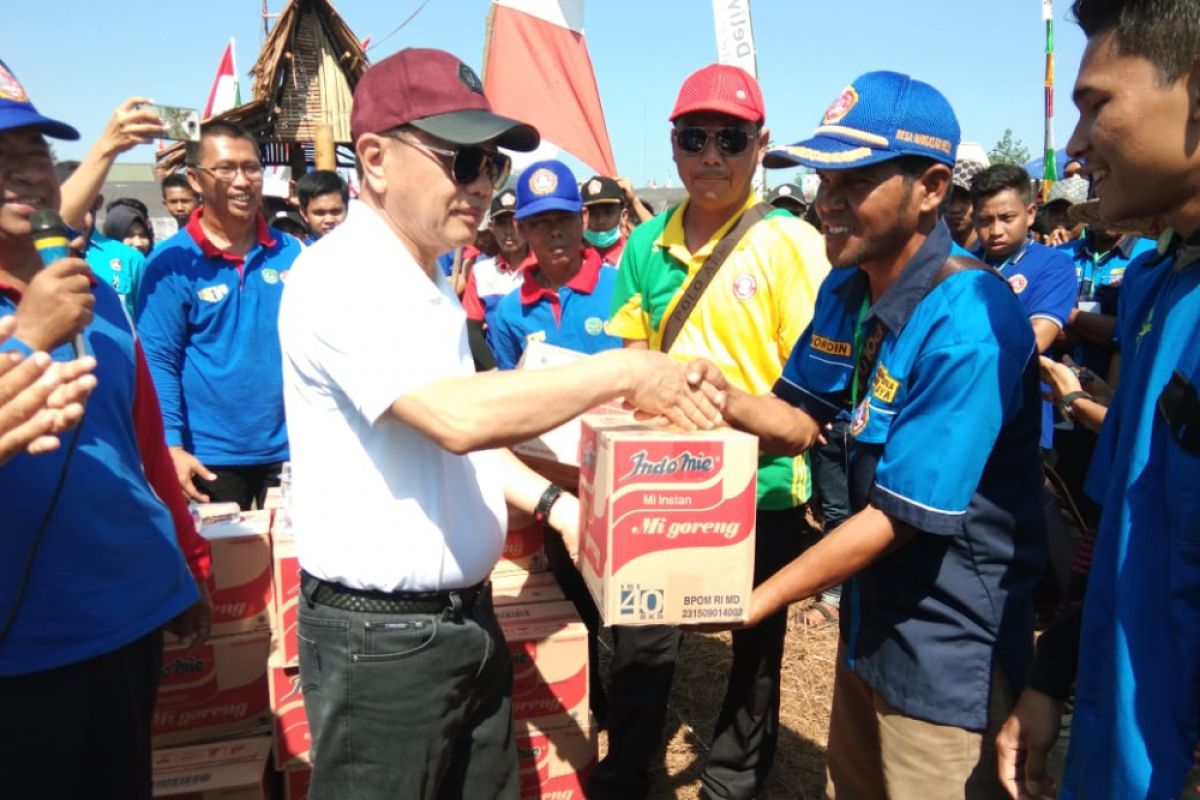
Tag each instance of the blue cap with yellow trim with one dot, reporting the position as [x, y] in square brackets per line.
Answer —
[547, 186]
[881, 116]
[17, 111]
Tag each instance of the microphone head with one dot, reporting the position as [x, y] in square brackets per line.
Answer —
[46, 221]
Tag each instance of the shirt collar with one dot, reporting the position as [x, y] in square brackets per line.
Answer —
[1013, 259]
[528, 262]
[674, 240]
[902, 297]
[583, 282]
[196, 231]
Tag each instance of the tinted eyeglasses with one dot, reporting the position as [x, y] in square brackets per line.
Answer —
[467, 162]
[731, 140]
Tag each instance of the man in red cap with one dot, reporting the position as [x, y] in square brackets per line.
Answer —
[400, 475]
[753, 310]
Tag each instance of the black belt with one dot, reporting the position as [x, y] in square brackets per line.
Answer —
[369, 601]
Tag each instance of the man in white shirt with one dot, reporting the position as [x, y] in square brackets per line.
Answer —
[400, 475]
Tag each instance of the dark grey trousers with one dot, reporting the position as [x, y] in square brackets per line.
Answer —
[407, 706]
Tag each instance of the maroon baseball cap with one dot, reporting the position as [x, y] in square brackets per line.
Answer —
[721, 88]
[435, 92]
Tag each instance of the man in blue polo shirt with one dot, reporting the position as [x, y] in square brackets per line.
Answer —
[1042, 278]
[935, 357]
[1137, 697]
[566, 296]
[207, 316]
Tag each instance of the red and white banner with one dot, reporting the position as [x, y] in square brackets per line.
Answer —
[538, 70]
[225, 93]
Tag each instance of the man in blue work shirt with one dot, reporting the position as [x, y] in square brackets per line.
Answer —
[1042, 277]
[1137, 698]
[935, 357]
[566, 296]
[207, 316]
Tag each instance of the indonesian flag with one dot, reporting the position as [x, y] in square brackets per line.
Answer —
[537, 70]
[224, 94]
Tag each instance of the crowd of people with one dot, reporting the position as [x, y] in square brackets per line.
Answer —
[929, 352]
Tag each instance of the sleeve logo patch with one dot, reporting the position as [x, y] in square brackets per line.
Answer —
[831, 347]
[884, 387]
[1018, 283]
[862, 415]
[213, 294]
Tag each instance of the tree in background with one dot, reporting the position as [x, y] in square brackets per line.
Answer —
[1009, 150]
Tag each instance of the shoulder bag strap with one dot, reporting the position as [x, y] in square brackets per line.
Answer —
[703, 277]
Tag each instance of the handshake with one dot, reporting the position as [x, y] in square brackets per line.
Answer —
[691, 396]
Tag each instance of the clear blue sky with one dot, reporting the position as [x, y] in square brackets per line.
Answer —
[78, 60]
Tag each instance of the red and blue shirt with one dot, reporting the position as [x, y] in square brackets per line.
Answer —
[113, 562]
[491, 280]
[572, 317]
[209, 322]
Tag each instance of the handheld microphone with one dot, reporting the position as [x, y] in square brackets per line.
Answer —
[51, 237]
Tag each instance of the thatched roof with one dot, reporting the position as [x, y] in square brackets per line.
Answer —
[305, 75]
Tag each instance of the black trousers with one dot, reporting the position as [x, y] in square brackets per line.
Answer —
[747, 729]
[82, 730]
[407, 706]
[245, 485]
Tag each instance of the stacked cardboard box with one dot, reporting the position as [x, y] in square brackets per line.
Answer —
[231, 770]
[667, 534]
[219, 690]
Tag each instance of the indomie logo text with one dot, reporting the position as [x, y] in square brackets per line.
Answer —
[683, 464]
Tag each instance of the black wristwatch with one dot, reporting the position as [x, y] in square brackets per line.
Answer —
[541, 512]
[1069, 399]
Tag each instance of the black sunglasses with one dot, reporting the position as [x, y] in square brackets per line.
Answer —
[730, 140]
[467, 162]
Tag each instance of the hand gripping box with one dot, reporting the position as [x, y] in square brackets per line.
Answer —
[218, 690]
[292, 738]
[667, 529]
[231, 770]
[240, 585]
[549, 650]
[285, 575]
[554, 764]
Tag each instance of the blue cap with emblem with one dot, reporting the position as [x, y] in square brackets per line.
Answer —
[547, 186]
[881, 116]
[16, 110]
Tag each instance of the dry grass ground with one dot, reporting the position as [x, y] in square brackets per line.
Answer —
[699, 687]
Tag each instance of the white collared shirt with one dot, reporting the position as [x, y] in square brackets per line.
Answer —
[375, 503]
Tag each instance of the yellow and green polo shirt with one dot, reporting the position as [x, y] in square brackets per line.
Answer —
[747, 320]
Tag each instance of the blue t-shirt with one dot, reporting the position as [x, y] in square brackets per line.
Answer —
[108, 569]
[572, 318]
[1101, 276]
[945, 439]
[118, 265]
[209, 325]
[1137, 702]
[1045, 283]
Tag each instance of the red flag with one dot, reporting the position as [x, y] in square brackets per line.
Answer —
[538, 71]
[225, 93]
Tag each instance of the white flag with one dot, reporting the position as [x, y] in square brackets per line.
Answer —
[735, 36]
